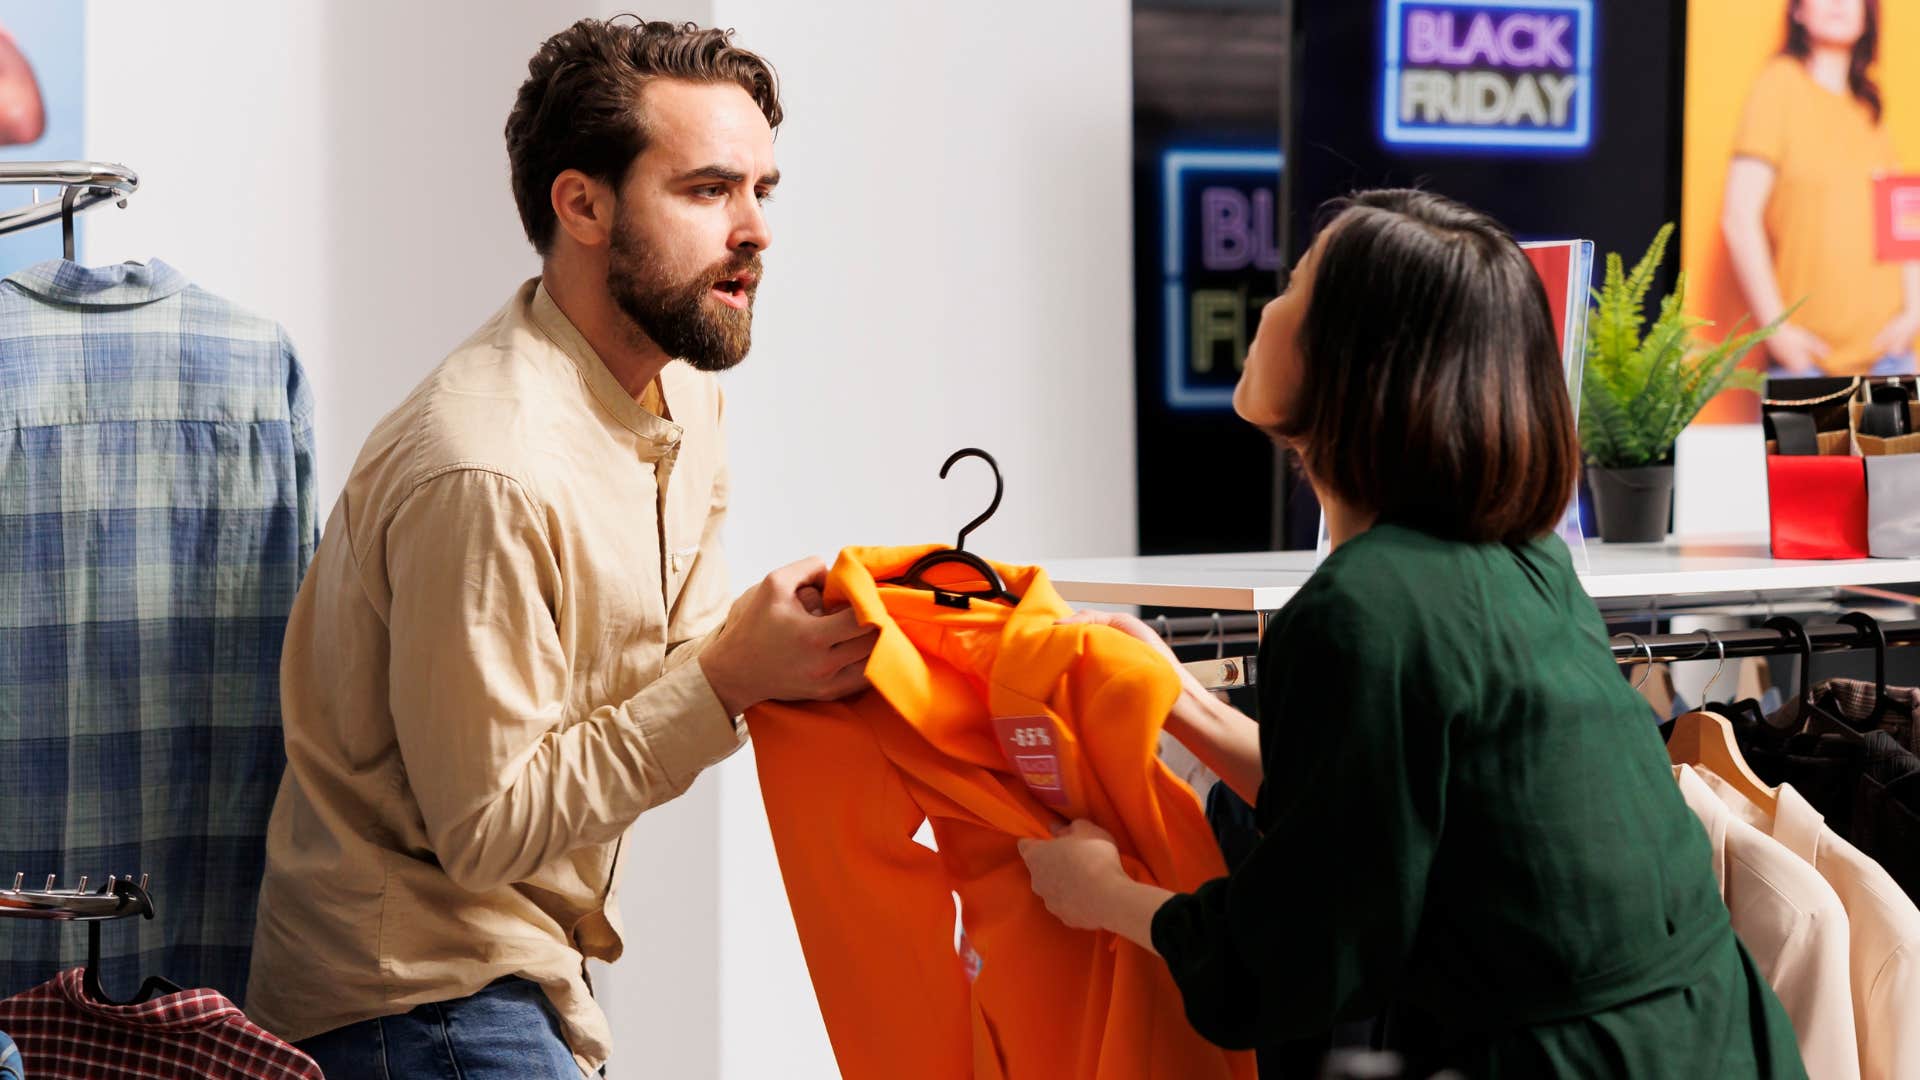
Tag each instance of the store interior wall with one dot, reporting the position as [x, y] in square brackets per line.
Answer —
[950, 268]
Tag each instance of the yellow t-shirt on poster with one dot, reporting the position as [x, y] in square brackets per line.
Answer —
[1825, 149]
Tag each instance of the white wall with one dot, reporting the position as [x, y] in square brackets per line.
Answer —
[341, 167]
[951, 266]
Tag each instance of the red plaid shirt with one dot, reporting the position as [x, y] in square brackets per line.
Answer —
[191, 1035]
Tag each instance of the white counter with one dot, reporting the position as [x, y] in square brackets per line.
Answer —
[1266, 580]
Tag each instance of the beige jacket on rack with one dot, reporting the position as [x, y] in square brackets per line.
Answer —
[1793, 924]
[1885, 929]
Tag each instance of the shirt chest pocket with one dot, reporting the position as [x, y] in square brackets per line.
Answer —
[680, 563]
[686, 522]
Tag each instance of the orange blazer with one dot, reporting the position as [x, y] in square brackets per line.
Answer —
[993, 723]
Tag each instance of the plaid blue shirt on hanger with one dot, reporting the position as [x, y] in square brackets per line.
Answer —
[156, 517]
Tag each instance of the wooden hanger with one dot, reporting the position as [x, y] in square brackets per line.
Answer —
[1706, 739]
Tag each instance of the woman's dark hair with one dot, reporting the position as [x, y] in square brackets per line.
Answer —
[1865, 51]
[1432, 393]
[581, 108]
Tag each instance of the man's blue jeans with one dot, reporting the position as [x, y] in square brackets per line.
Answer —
[507, 1030]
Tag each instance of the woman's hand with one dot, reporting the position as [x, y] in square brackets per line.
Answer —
[1222, 737]
[1896, 338]
[1078, 875]
[1798, 350]
[1134, 628]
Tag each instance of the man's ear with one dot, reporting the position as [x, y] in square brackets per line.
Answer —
[583, 207]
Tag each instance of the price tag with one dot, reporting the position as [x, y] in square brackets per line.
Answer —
[970, 960]
[1031, 745]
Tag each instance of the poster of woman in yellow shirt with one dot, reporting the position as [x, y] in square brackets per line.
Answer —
[1797, 217]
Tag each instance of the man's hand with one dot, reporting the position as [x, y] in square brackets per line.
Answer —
[781, 644]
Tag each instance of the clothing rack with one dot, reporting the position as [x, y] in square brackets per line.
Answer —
[1705, 644]
[119, 898]
[87, 184]
[1224, 672]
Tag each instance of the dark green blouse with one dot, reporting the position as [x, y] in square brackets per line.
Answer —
[1469, 821]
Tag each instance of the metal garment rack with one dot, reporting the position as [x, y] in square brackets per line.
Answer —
[119, 898]
[86, 185]
[1706, 644]
[1225, 672]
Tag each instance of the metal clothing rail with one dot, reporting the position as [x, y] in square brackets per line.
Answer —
[118, 898]
[1225, 671]
[87, 184]
[1705, 644]
[1224, 630]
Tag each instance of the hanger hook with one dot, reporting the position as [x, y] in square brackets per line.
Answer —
[1641, 643]
[1792, 630]
[1870, 627]
[1713, 642]
[999, 488]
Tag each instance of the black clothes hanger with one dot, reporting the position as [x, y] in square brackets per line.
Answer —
[1806, 714]
[994, 589]
[1883, 705]
[135, 893]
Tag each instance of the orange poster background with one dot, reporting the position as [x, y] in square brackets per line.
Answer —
[1728, 41]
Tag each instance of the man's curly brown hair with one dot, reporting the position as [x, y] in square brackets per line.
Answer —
[581, 106]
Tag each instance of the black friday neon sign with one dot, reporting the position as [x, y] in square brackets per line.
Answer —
[1498, 74]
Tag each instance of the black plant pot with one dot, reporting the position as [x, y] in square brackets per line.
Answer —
[1633, 505]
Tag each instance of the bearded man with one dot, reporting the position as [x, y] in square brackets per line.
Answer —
[515, 637]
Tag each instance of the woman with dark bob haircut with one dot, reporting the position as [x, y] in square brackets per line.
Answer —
[1469, 824]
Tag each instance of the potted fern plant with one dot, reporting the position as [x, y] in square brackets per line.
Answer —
[1639, 392]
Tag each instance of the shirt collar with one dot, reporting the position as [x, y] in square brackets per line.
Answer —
[120, 285]
[1798, 825]
[1019, 649]
[931, 662]
[1713, 814]
[898, 669]
[606, 389]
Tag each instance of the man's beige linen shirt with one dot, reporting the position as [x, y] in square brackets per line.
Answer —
[487, 678]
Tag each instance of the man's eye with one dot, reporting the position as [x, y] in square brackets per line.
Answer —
[711, 191]
[764, 196]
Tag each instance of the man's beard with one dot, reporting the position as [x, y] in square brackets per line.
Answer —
[679, 316]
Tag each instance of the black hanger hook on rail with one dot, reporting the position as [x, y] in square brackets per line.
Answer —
[999, 489]
[1791, 629]
[1870, 627]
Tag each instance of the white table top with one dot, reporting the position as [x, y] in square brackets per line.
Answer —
[1266, 580]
